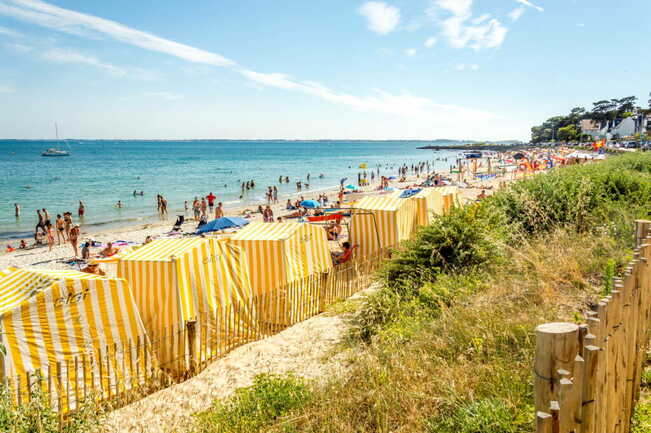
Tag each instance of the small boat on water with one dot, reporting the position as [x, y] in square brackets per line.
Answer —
[53, 151]
[470, 154]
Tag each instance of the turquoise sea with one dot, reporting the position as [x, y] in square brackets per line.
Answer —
[101, 172]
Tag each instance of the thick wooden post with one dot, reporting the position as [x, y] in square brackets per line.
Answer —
[642, 229]
[556, 348]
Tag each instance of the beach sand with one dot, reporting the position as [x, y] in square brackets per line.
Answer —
[40, 257]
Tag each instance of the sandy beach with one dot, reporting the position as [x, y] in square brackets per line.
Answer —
[60, 255]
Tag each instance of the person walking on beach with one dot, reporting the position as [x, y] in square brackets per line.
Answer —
[60, 226]
[204, 207]
[275, 195]
[39, 224]
[81, 210]
[50, 235]
[196, 208]
[219, 212]
[46, 217]
[17, 210]
[67, 223]
[211, 200]
[74, 238]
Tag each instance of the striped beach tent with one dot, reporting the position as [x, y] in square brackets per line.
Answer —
[54, 318]
[450, 197]
[281, 253]
[429, 203]
[176, 281]
[382, 221]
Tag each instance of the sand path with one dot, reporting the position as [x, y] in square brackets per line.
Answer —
[307, 349]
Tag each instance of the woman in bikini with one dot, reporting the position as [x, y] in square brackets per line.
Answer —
[82, 209]
[50, 235]
[73, 237]
[67, 222]
[60, 225]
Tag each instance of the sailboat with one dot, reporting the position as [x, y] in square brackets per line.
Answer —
[53, 151]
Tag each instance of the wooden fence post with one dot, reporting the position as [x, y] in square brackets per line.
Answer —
[556, 348]
[642, 228]
[192, 334]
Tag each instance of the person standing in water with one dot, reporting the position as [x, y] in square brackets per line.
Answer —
[163, 205]
[17, 210]
[81, 210]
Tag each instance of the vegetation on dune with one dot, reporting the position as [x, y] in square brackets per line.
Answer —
[446, 344]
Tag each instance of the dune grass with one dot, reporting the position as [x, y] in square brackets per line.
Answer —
[446, 344]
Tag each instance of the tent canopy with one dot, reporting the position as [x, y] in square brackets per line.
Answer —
[177, 280]
[50, 316]
[280, 253]
[382, 221]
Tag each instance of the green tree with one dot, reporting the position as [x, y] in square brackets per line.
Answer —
[568, 133]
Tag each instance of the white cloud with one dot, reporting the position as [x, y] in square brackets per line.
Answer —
[531, 5]
[46, 15]
[21, 48]
[8, 32]
[411, 52]
[474, 67]
[460, 67]
[516, 13]
[168, 96]
[381, 18]
[69, 56]
[457, 7]
[4, 88]
[461, 30]
[430, 42]
[404, 105]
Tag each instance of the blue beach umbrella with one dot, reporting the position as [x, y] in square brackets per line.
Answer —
[353, 187]
[310, 204]
[409, 192]
[222, 223]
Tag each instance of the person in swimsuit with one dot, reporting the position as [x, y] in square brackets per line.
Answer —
[17, 210]
[81, 210]
[67, 222]
[60, 225]
[85, 250]
[46, 218]
[93, 268]
[73, 237]
[211, 200]
[163, 205]
[109, 250]
[40, 224]
[50, 235]
[219, 211]
[345, 255]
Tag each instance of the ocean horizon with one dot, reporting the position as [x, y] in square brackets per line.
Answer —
[101, 172]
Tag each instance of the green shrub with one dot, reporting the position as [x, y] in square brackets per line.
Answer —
[253, 408]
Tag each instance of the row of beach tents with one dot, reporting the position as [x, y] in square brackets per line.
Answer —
[54, 316]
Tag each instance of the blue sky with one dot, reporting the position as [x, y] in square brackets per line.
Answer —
[307, 69]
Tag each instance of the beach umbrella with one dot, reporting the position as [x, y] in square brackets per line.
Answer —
[409, 192]
[222, 223]
[353, 187]
[310, 204]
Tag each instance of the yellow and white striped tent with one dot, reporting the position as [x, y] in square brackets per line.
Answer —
[281, 253]
[450, 197]
[179, 280]
[382, 221]
[51, 317]
[429, 203]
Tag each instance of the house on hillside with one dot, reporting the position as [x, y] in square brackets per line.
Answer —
[620, 127]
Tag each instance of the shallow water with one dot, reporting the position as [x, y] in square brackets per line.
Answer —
[102, 172]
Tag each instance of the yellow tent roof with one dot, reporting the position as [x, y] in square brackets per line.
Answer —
[375, 202]
[18, 285]
[162, 250]
[267, 231]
